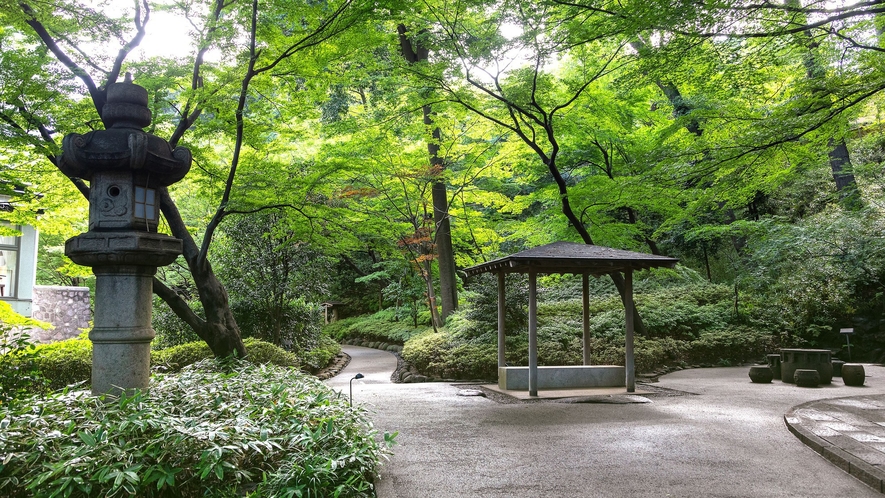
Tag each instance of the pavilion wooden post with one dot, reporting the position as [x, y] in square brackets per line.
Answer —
[533, 333]
[502, 315]
[628, 309]
[585, 287]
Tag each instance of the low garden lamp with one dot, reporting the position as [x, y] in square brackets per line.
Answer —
[357, 376]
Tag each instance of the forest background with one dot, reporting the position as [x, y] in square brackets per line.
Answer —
[363, 152]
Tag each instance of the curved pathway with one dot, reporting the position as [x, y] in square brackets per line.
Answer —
[715, 434]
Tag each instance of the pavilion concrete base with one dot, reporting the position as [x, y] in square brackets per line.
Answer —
[565, 377]
[614, 394]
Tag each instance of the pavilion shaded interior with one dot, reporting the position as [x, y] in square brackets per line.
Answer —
[578, 259]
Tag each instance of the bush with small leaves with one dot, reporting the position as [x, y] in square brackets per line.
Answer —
[213, 430]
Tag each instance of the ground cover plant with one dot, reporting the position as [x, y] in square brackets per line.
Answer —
[214, 429]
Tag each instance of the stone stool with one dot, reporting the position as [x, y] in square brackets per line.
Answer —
[761, 374]
[837, 368]
[774, 362]
[806, 377]
[853, 374]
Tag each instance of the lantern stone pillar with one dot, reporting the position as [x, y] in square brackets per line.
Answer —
[125, 166]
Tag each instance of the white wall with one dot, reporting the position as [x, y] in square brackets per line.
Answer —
[27, 271]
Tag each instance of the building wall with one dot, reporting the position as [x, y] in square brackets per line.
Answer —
[67, 308]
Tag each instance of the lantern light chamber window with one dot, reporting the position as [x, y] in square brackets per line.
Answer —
[145, 203]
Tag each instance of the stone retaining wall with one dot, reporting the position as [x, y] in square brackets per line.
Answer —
[67, 308]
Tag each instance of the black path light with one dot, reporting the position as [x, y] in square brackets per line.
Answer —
[357, 376]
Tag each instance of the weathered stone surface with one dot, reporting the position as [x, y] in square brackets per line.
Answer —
[125, 166]
[853, 374]
[806, 377]
[761, 374]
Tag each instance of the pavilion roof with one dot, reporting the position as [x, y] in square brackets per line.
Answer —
[571, 257]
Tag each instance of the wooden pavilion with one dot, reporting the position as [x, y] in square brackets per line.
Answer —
[569, 258]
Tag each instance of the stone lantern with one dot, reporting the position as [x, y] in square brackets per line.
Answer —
[125, 166]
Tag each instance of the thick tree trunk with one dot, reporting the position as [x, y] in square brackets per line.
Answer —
[414, 52]
[448, 288]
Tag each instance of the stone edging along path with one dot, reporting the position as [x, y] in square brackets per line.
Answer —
[841, 431]
[334, 367]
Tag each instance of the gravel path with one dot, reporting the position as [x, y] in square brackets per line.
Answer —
[705, 432]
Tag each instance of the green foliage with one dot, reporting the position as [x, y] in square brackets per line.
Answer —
[295, 324]
[737, 344]
[175, 358]
[169, 328]
[806, 280]
[649, 354]
[442, 355]
[381, 326]
[689, 320]
[20, 374]
[260, 352]
[320, 356]
[426, 349]
[481, 306]
[9, 318]
[65, 362]
[211, 430]
[57, 365]
[275, 282]
[263, 352]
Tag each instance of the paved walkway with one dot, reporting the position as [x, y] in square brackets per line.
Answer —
[703, 432]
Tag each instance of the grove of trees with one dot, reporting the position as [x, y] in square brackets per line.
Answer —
[362, 152]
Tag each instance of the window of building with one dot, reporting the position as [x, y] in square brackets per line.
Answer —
[9, 251]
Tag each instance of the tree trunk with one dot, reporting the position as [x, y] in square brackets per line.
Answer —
[413, 52]
[617, 278]
[448, 286]
[435, 319]
[840, 161]
[219, 328]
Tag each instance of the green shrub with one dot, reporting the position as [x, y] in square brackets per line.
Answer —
[65, 362]
[427, 349]
[177, 357]
[481, 309]
[321, 355]
[211, 430]
[59, 364]
[737, 344]
[440, 354]
[295, 325]
[467, 361]
[648, 353]
[380, 327]
[262, 352]
[20, 373]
